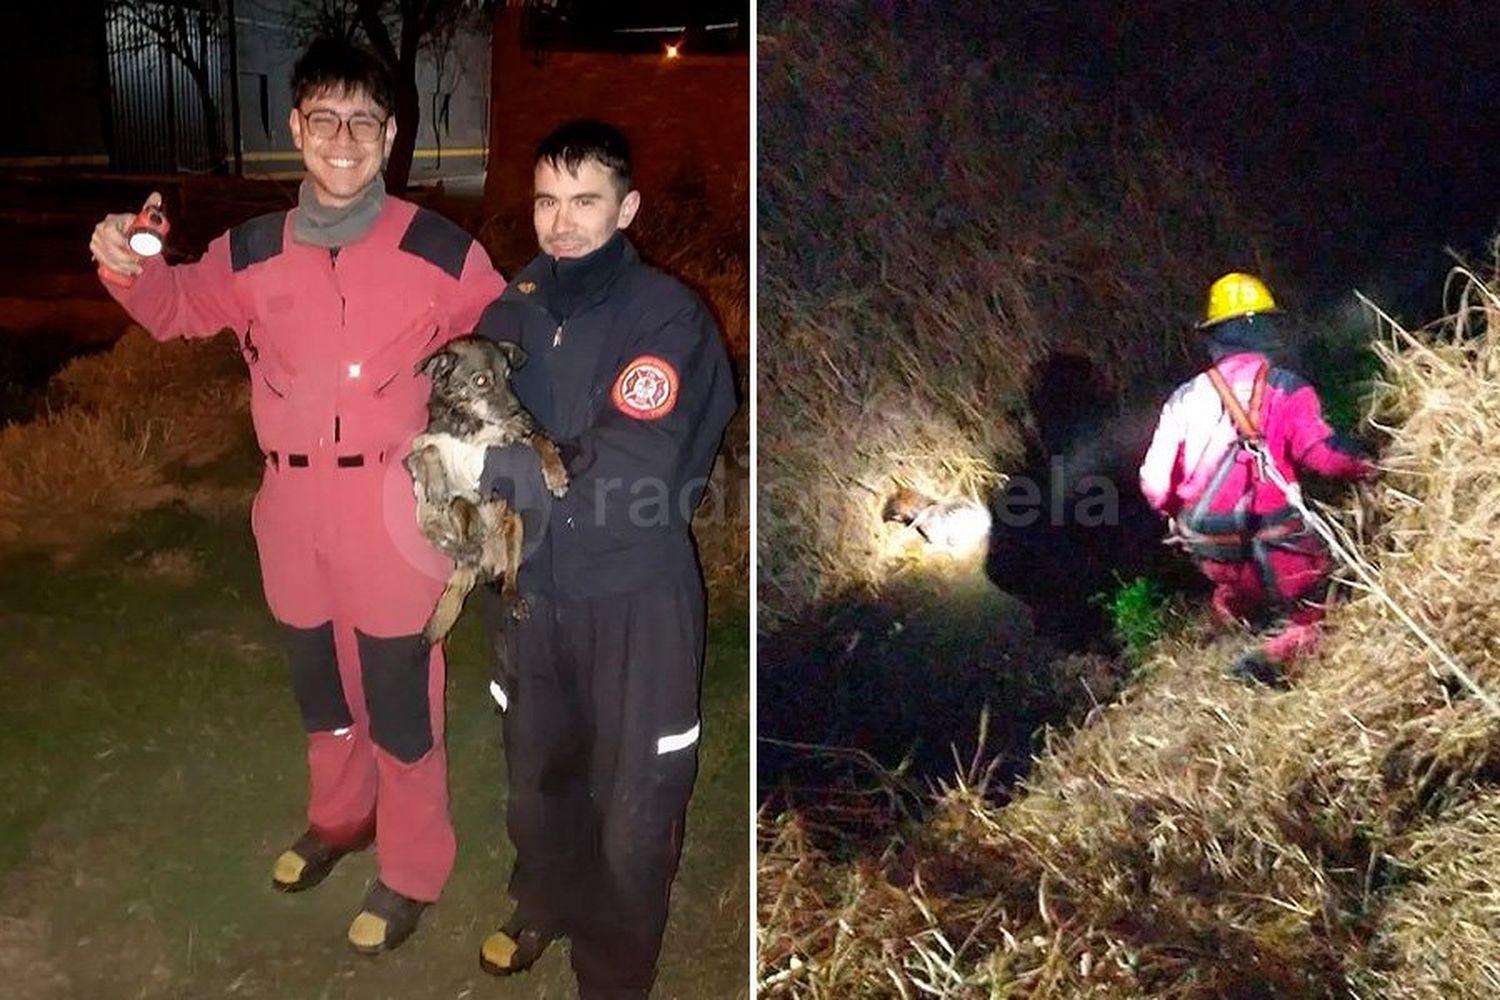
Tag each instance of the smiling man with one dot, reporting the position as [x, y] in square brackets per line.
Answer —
[334, 303]
[599, 686]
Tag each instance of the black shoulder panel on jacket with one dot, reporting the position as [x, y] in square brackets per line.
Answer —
[437, 241]
[1287, 382]
[256, 240]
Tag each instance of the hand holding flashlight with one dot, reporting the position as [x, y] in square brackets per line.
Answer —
[121, 240]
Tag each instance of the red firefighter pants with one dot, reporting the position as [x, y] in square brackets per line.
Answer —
[1286, 581]
[351, 582]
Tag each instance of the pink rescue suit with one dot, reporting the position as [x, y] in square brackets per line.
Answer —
[332, 340]
[1244, 536]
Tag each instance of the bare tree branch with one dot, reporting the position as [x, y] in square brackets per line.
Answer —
[167, 22]
[397, 31]
[368, 13]
[309, 19]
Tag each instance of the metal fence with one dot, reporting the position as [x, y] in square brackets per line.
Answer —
[163, 119]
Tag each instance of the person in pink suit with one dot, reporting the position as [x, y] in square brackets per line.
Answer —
[334, 304]
[1237, 524]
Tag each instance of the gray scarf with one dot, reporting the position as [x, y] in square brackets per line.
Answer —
[321, 226]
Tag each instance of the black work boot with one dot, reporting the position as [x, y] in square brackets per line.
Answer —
[307, 862]
[513, 948]
[387, 919]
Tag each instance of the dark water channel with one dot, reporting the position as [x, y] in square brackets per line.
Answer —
[902, 682]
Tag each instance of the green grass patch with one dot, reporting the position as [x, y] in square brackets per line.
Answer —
[1138, 614]
[151, 768]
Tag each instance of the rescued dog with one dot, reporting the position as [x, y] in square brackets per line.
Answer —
[471, 408]
[951, 524]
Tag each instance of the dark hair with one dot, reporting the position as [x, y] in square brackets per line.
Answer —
[339, 66]
[588, 139]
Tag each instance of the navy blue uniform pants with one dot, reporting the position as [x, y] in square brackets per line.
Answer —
[599, 704]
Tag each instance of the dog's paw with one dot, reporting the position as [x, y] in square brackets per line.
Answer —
[516, 607]
[554, 472]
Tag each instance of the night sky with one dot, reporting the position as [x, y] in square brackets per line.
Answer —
[1365, 132]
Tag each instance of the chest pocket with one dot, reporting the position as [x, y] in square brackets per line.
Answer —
[391, 332]
[271, 343]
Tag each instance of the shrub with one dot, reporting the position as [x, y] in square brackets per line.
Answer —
[1137, 614]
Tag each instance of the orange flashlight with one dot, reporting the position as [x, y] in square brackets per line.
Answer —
[146, 235]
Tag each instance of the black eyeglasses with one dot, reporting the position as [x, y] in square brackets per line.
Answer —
[326, 125]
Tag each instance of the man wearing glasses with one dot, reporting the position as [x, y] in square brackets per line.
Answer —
[334, 303]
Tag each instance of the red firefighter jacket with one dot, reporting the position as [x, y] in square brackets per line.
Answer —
[331, 338]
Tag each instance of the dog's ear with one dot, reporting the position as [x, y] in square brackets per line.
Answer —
[512, 352]
[437, 365]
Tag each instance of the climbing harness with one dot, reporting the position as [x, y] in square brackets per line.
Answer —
[1240, 534]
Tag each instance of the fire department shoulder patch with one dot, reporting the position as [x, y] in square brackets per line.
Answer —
[646, 389]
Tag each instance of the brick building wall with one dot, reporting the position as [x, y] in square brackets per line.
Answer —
[688, 119]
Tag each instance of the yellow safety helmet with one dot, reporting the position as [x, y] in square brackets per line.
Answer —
[1237, 294]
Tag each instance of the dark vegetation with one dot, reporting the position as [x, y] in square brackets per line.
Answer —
[978, 281]
[973, 275]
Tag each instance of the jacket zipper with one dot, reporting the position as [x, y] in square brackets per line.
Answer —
[333, 265]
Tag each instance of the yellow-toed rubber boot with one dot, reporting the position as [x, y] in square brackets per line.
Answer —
[387, 919]
[512, 949]
[306, 863]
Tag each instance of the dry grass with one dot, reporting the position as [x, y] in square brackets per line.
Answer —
[1197, 839]
[930, 227]
[1438, 937]
[121, 420]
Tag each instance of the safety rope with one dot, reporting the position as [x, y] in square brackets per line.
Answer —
[1366, 573]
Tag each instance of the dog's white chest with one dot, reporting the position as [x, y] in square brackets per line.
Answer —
[463, 461]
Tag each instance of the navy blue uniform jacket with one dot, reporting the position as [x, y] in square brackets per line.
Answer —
[626, 369]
